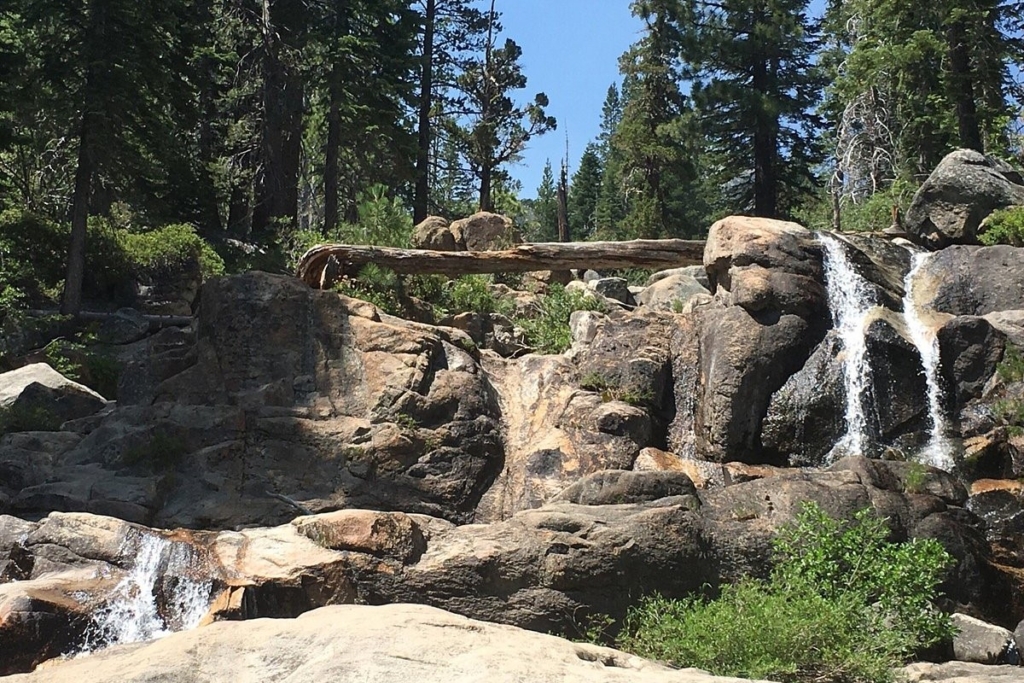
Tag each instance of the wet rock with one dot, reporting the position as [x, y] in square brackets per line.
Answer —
[615, 487]
[969, 348]
[979, 642]
[959, 194]
[977, 281]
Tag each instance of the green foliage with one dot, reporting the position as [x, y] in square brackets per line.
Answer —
[1010, 410]
[843, 605]
[33, 256]
[548, 331]
[915, 478]
[15, 418]
[872, 213]
[162, 451]
[1004, 226]
[474, 293]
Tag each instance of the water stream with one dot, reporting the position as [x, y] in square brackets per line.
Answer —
[939, 449]
[850, 300]
[163, 592]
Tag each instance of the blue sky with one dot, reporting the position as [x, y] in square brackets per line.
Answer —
[571, 51]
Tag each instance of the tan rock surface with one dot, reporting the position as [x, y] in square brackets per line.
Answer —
[361, 644]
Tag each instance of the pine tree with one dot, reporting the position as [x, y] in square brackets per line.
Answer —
[755, 86]
[545, 208]
[651, 139]
[584, 192]
[494, 130]
[452, 30]
[911, 82]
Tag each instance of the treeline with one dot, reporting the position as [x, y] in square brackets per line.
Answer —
[254, 119]
[755, 106]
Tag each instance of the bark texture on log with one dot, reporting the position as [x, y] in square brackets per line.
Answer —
[660, 254]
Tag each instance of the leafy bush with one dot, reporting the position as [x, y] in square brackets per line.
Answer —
[1010, 411]
[33, 256]
[474, 293]
[870, 214]
[1004, 226]
[842, 605]
[85, 364]
[16, 418]
[548, 331]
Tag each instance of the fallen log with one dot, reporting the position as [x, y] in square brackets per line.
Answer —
[656, 254]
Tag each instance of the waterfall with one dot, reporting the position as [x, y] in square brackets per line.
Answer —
[850, 300]
[938, 451]
[134, 611]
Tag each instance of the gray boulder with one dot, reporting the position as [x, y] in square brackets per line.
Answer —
[39, 392]
[960, 193]
[615, 487]
[671, 293]
[964, 280]
[614, 288]
[433, 233]
[485, 231]
[980, 642]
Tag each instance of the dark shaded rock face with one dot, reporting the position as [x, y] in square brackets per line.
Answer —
[615, 487]
[964, 280]
[959, 194]
[970, 349]
[287, 394]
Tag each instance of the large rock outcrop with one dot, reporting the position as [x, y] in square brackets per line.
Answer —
[286, 399]
[547, 569]
[959, 194]
[358, 644]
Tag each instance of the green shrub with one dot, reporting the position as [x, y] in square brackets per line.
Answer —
[16, 418]
[842, 606]
[33, 257]
[474, 293]
[1004, 226]
[1010, 411]
[871, 214]
[548, 331]
[169, 250]
[85, 364]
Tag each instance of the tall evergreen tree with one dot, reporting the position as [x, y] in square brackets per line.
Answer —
[493, 129]
[911, 82]
[755, 86]
[545, 208]
[651, 138]
[452, 30]
[584, 192]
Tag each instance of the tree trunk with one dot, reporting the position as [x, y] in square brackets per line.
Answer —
[421, 200]
[765, 186]
[71, 299]
[963, 88]
[563, 205]
[655, 254]
[278, 187]
[331, 152]
[485, 188]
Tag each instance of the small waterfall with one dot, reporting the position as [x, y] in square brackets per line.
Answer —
[938, 451]
[850, 300]
[135, 612]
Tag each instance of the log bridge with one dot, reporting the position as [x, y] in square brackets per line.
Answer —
[316, 266]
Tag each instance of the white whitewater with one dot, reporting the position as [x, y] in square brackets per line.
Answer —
[939, 450]
[132, 613]
[850, 300]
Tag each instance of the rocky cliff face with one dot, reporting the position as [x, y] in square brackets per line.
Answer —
[309, 450]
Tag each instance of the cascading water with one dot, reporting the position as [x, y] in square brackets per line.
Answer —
[132, 613]
[938, 451]
[850, 300]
